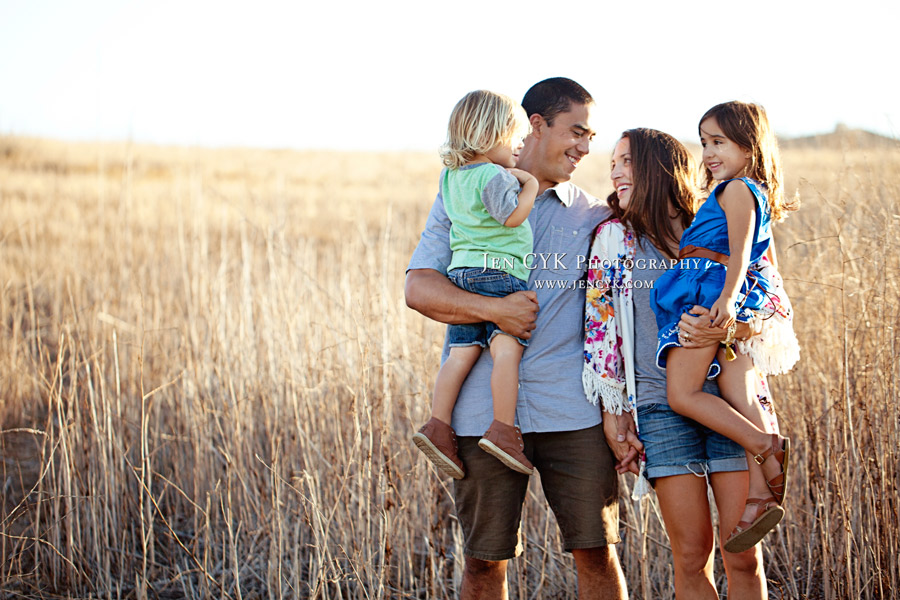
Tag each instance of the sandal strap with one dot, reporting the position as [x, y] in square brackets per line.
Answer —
[762, 505]
[775, 449]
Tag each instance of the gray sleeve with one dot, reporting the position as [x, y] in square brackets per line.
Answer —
[433, 250]
[501, 195]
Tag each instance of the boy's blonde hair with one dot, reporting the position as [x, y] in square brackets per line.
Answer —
[479, 122]
[747, 125]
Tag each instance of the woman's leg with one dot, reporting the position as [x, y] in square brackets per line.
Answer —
[450, 379]
[746, 575]
[685, 509]
[506, 351]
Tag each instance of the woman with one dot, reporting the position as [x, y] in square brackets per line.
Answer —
[653, 203]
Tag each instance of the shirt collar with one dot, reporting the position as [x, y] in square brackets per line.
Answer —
[565, 191]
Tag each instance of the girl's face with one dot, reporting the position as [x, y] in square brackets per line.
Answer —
[620, 171]
[722, 156]
[507, 153]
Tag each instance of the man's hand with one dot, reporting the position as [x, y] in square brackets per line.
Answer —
[623, 441]
[517, 313]
[436, 297]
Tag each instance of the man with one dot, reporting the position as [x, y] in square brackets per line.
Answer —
[562, 431]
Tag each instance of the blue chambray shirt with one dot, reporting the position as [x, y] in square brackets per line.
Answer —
[551, 397]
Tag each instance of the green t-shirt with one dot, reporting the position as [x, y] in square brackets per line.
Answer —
[478, 199]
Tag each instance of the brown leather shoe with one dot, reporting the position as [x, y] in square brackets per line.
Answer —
[505, 443]
[438, 441]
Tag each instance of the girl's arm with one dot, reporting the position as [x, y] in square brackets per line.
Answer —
[739, 205]
[527, 195]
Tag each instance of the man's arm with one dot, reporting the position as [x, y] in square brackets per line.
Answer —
[432, 294]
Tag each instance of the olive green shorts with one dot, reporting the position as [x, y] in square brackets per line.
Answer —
[579, 480]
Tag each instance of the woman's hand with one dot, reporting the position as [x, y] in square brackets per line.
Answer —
[623, 441]
[696, 332]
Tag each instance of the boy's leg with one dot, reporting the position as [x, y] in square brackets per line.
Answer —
[503, 440]
[506, 352]
[450, 379]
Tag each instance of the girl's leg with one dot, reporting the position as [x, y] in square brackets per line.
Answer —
[686, 370]
[506, 351]
[738, 388]
[450, 379]
[685, 510]
[746, 576]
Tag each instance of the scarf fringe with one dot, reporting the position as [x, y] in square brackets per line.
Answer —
[776, 350]
[611, 393]
[642, 485]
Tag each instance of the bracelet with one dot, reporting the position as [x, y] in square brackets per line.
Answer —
[729, 337]
[729, 342]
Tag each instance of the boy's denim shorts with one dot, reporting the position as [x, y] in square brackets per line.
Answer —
[485, 282]
[677, 445]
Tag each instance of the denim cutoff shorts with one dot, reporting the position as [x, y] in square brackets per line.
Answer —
[677, 445]
[485, 282]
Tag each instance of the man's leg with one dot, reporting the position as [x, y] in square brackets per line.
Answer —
[489, 507]
[599, 574]
[483, 580]
[580, 483]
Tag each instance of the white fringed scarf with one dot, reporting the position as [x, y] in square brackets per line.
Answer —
[608, 373]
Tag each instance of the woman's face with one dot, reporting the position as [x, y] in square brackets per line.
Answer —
[620, 172]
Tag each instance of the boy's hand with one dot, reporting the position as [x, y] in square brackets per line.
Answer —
[522, 176]
[723, 313]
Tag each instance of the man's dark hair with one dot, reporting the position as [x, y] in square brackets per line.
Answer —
[552, 96]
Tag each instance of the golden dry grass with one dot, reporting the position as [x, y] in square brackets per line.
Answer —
[210, 378]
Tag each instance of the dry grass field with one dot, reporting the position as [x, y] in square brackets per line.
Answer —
[209, 380]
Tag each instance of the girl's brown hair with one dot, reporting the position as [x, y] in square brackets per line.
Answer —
[747, 125]
[663, 180]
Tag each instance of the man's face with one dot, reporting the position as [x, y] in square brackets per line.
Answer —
[562, 145]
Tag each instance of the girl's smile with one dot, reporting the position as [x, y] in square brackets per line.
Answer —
[724, 158]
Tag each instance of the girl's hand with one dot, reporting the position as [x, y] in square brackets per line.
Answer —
[523, 176]
[723, 313]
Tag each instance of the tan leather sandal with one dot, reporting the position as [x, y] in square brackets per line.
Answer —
[748, 533]
[778, 484]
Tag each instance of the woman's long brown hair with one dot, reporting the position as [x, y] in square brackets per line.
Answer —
[663, 175]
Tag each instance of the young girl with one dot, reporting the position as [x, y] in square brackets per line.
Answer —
[488, 202]
[730, 232]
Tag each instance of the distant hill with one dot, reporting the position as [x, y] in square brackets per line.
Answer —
[842, 138]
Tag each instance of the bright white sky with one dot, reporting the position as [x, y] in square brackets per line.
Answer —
[384, 75]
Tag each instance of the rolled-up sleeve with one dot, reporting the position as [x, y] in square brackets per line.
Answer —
[433, 249]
